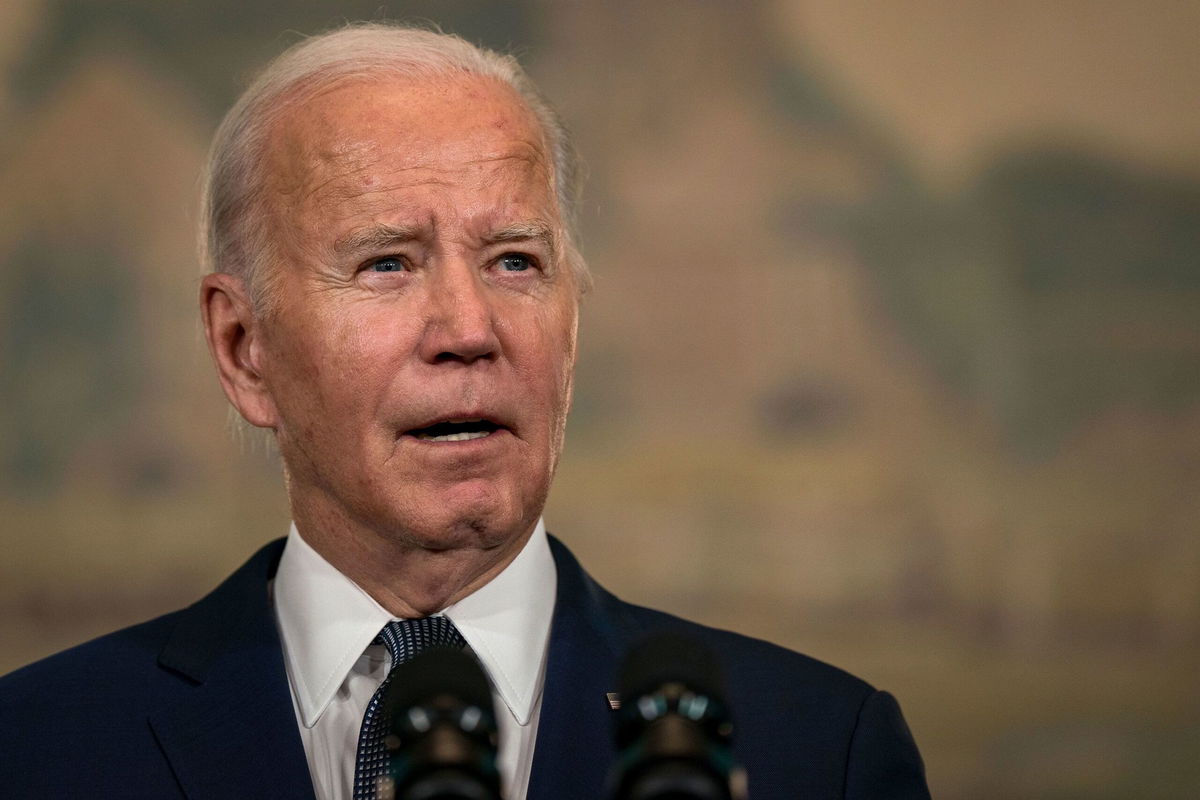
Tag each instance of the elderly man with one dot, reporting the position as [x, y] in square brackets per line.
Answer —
[394, 295]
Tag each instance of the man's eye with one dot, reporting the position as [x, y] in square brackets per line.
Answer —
[389, 264]
[515, 262]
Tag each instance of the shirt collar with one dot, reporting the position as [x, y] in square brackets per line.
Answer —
[326, 622]
[507, 623]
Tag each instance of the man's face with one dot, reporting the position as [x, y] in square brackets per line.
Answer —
[419, 351]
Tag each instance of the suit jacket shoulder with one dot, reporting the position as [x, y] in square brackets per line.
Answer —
[193, 703]
[803, 728]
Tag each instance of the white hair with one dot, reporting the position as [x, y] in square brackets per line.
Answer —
[234, 237]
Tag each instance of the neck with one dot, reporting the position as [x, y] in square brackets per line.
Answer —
[407, 578]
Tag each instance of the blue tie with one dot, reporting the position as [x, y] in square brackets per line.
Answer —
[403, 639]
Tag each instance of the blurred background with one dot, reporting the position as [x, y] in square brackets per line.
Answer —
[892, 357]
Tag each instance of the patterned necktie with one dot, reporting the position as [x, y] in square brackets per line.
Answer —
[403, 639]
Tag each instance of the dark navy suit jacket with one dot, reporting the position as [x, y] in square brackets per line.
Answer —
[196, 704]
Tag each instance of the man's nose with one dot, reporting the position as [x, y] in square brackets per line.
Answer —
[461, 326]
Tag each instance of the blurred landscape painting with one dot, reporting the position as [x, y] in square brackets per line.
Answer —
[893, 355]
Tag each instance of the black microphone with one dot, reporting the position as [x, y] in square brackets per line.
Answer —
[441, 740]
[673, 726]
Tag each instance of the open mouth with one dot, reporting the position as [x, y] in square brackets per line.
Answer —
[455, 431]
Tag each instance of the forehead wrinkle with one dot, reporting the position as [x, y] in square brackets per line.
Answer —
[534, 159]
[305, 147]
[383, 233]
[336, 196]
[337, 187]
[328, 161]
[317, 153]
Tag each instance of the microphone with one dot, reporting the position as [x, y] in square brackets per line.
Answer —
[673, 726]
[441, 740]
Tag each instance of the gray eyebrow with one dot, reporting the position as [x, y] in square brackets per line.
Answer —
[524, 232]
[374, 237]
[384, 236]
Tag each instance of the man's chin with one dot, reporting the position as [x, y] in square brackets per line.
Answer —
[478, 513]
[464, 533]
[452, 524]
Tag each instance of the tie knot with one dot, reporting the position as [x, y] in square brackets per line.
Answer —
[404, 638]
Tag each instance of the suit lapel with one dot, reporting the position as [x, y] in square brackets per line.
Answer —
[232, 730]
[575, 749]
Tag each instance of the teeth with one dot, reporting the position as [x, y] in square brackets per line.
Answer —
[454, 437]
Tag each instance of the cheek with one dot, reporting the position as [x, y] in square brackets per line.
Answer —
[557, 363]
[567, 342]
[356, 343]
[325, 366]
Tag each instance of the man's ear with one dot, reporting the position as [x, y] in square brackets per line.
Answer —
[234, 340]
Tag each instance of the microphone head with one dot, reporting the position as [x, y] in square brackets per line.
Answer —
[435, 672]
[441, 724]
[671, 658]
[673, 727]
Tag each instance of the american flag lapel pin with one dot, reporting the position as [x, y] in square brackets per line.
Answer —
[614, 700]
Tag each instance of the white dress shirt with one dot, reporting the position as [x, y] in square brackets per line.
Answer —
[327, 624]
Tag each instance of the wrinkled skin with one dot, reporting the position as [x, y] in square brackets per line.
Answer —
[421, 278]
